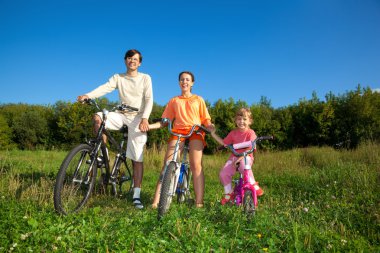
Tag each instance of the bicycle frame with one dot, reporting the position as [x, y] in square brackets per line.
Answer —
[171, 175]
[98, 141]
[176, 153]
[78, 172]
[243, 183]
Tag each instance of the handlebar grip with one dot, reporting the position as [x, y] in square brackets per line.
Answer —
[220, 147]
[124, 107]
[246, 144]
[86, 101]
[204, 129]
[156, 120]
[270, 137]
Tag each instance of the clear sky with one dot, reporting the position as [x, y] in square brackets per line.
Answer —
[244, 49]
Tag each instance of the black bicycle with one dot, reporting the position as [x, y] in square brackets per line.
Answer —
[78, 174]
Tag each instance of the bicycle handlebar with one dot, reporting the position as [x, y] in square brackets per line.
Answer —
[246, 144]
[195, 127]
[121, 107]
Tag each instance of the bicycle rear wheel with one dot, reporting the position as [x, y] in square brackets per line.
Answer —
[249, 203]
[167, 189]
[73, 186]
[184, 187]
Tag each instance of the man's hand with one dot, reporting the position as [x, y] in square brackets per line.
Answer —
[81, 98]
[144, 125]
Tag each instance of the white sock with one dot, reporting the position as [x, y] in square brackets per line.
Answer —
[136, 192]
[227, 189]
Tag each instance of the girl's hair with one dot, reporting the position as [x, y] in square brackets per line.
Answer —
[244, 112]
[131, 53]
[186, 72]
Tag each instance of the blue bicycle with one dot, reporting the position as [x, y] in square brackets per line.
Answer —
[177, 173]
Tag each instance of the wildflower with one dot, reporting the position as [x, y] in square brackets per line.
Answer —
[259, 236]
[23, 237]
[343, 241]
[329, 246]
[265, 249]
[306, 209]
[59, 238]
[25, 217]
[14, 245]
[55, 248]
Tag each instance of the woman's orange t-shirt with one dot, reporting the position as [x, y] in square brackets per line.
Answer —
[187, 112]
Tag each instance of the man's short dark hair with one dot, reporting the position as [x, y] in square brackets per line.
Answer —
[131, 53]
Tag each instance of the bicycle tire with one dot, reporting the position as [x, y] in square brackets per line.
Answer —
[166, 190]
[184, 188]
[70, 196]
[248, 203]
[124, 178]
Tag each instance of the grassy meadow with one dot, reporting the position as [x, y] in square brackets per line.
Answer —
[316, 200]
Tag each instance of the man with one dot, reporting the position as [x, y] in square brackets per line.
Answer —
[135, 90]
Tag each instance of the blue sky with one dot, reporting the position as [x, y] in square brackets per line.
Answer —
[283, 50]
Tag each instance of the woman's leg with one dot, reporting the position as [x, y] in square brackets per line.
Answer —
[168, 157]
[195, 157]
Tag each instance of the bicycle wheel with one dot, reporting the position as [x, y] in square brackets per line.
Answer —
[167, 190]
[184, 188]
[73, 188]
[103, 174]
[248, 203]
[124, 178]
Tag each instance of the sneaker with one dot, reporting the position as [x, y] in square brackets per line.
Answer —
[137, 203]
[259, 191]
[229, 197]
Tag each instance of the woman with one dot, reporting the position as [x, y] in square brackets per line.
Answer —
[187, 109]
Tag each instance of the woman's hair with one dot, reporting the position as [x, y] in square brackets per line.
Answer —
[131, 53]
[244, 112]
[186, 72]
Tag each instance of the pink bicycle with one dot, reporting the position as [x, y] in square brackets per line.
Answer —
[244, 192]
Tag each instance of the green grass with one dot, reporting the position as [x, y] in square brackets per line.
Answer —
[316, 200]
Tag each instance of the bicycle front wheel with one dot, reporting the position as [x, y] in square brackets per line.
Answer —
[124, 178]
[249, 203]
[184, 188]
[167, 189]
[75, 180]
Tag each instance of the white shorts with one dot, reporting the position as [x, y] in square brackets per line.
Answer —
[136, 138]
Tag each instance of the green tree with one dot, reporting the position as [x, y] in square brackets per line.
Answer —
[5, 134]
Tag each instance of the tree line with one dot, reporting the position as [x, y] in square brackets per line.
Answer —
[339, 120]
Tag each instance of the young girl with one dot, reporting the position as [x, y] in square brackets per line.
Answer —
[242, 133]
[188, 109]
